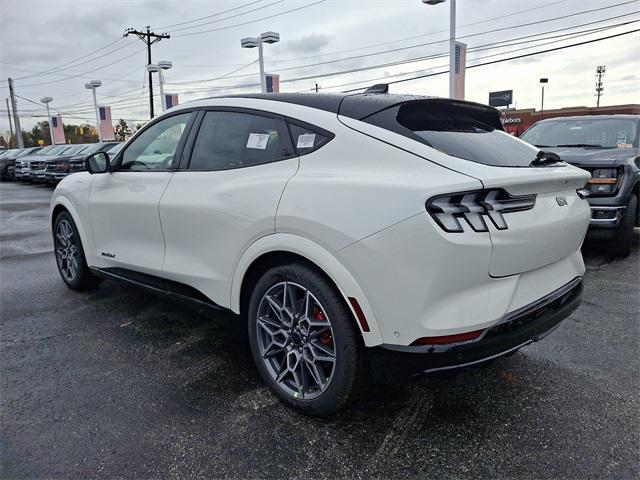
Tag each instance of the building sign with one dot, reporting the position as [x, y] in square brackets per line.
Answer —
[503, 98]
[508, 120]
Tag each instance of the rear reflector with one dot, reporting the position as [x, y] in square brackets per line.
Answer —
[448, 339]
[360, 314]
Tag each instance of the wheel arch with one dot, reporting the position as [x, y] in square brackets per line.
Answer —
[60, 204]
[277, 249]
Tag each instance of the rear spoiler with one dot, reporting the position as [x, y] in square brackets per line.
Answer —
[443, 106]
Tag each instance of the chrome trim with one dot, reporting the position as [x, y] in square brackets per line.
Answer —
[485, 359]
[623, 207]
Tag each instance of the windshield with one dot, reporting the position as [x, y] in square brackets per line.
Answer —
[54, 150]
[73, 149]
[92, 148]
[115, 149]
[587, 132]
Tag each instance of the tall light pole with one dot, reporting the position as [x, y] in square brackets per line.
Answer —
[452, 41]
[543, 81]
[252, 42]
[159, 67]
[47, 101]
[92, 85]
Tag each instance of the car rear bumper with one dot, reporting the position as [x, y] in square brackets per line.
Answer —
[392, 363]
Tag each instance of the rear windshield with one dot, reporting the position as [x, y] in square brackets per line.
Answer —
[587, 133]
[459, 133]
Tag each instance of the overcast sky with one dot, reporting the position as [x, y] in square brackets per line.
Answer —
[43, 41]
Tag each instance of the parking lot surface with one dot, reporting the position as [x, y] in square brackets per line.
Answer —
[118, 383]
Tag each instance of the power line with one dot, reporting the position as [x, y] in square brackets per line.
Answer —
[514, 57]
[251, 21]
[164, 27]
[413, 59]
[227, 18]
[73, 61]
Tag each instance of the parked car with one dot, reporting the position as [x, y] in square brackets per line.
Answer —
[58, 168]
[23, 164]
[39, 167]
[607, 147]
[373, 234]
[8, 161]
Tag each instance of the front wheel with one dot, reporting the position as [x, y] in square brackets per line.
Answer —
[70, 258]
[621, 244]
[304, 340]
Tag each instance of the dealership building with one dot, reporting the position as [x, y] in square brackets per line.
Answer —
[517, 121]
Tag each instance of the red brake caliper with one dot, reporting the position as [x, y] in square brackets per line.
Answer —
[326, 338]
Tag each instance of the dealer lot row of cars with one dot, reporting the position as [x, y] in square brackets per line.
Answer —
[49, 164]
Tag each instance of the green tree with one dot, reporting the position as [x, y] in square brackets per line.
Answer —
[122, 130]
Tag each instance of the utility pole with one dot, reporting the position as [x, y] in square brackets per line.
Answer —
[10, 122]
[16, 119]
[600, 84]
[317, 87]
[149, 38]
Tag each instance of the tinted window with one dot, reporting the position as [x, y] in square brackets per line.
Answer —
[457, 131]
[306, 138]
[232, 140]
[596, 132]
[155, 147]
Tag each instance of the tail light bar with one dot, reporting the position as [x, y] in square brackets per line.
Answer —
[447, 210]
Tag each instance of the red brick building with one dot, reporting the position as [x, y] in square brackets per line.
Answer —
[517, 121]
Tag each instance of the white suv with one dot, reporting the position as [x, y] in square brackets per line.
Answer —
[360, 236]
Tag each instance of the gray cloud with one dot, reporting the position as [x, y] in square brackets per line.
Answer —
[312, 43]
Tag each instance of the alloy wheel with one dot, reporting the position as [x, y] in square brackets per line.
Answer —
[66, 250]
[296, 340]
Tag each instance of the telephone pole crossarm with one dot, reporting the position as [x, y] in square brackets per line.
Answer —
[149, 38]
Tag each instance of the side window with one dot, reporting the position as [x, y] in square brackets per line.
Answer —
[307, 138]
[233, 140]
[154, 148]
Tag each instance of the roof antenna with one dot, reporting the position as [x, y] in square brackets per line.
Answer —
[378, 88]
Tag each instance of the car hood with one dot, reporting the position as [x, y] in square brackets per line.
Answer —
[594, 156]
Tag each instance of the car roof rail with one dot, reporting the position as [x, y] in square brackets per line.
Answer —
[378, 88]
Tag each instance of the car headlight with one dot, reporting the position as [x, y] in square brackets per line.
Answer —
[604, 181]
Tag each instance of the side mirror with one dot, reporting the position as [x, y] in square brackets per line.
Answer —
[97, 163]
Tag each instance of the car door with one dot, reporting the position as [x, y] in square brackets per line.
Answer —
[124, 202]
[224, 197]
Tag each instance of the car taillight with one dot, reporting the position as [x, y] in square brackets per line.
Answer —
[473, 207]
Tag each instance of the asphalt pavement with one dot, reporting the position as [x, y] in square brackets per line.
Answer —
[119, 383]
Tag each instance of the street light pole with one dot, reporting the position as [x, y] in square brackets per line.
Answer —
[543, 81]
[452, 47]
[163, 65]
[263, 80]
[92, 85]
[252, 42]
[46, 101]
[452, 41]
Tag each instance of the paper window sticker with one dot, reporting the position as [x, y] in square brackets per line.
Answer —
[258, 141]
[622, 137]
[306, 140]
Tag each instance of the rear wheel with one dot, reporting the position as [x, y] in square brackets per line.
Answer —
[70, 258]
[621, 244]
[304, 341]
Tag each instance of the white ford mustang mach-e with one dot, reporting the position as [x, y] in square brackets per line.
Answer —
[366, 235]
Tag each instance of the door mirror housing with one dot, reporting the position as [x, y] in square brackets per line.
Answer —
[97, 163]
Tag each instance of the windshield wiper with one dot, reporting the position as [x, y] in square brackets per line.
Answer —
[543, 146]
[581, 145]
[544, 159]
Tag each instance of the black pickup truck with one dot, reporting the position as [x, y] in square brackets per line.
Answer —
[607, 146]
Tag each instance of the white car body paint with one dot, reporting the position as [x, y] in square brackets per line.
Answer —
[355, 208]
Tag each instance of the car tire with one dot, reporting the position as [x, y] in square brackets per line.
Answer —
[292, 341]
[72, 264]
[621, 244]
